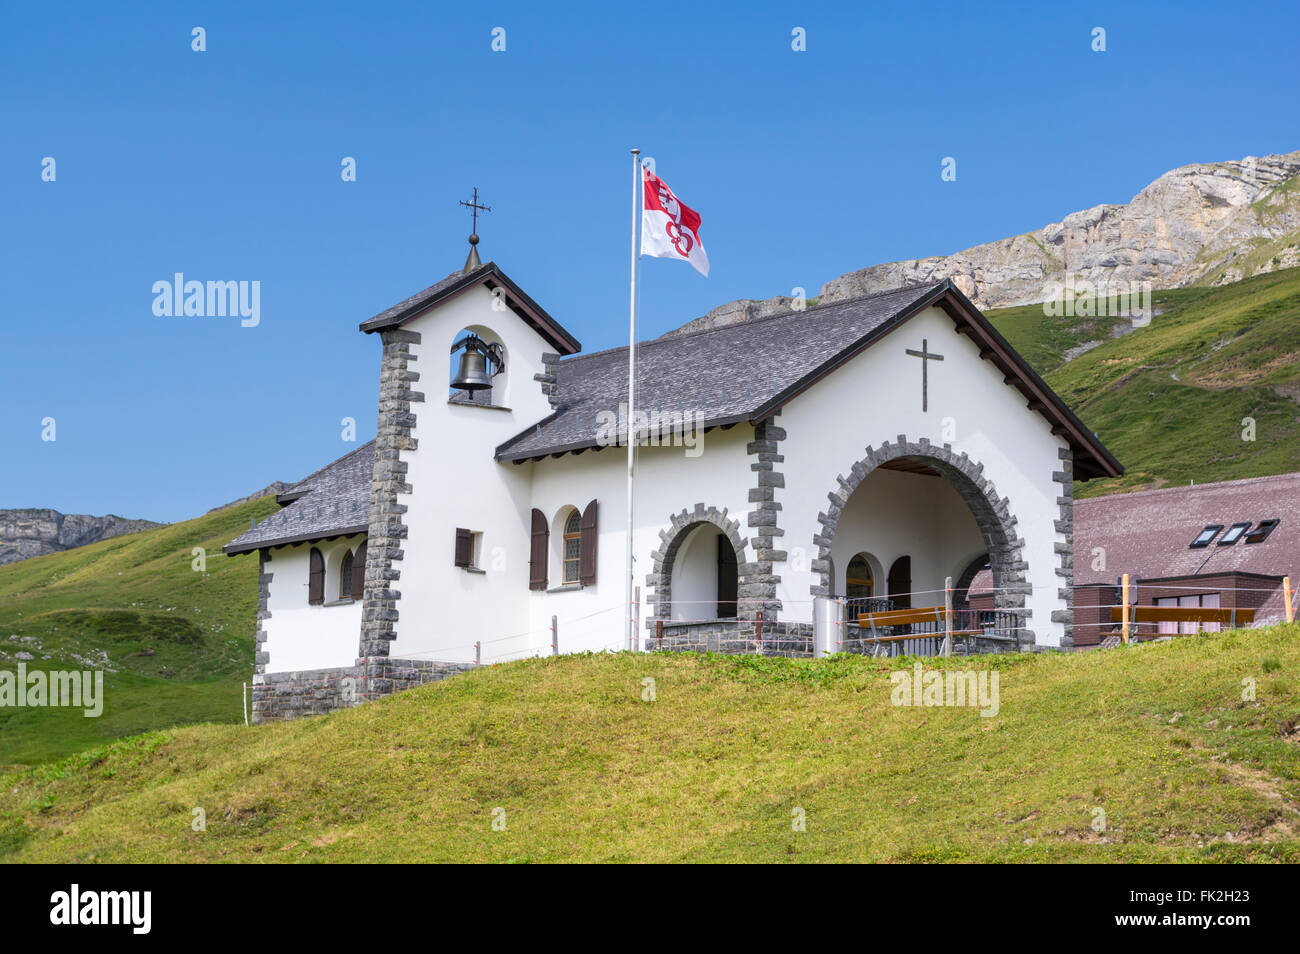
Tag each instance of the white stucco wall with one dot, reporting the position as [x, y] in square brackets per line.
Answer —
[302, 636]
[667, 482]
[457, 483]
[894, 514]
[877, 396]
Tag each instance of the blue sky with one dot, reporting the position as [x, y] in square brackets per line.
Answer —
[225, 165]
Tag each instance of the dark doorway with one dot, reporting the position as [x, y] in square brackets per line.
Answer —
[900, 583]
[727, 578]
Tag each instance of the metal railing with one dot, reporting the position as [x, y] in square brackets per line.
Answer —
[969, 625]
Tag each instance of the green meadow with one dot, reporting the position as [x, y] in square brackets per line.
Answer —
[1185, 751]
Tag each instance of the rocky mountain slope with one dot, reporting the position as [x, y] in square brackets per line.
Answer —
[1202, 224]
[30, 533]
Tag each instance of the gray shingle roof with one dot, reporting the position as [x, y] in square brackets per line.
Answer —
[717, 371]
[747, 371]
[714, 370]
[492, 277]
[335, 501]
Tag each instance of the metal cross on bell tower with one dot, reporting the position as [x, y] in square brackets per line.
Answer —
[473, 205]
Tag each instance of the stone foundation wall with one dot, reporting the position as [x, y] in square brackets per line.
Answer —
[280, 696]
[385, 675]
[733, 636]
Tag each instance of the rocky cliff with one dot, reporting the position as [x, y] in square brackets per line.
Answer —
[30, 533]
[1210, 223]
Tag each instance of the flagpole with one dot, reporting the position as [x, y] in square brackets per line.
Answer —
[631, 404]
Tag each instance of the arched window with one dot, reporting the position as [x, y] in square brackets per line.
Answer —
[859, 582]
[345, 576]
[572, 547]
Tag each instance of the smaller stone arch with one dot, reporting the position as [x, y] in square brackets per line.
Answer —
[680, 526]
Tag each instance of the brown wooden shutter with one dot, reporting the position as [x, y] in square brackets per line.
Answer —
[464, 548]
[900, 583]
[315, 578]
[728, 579]
[537, 552]
[359, 573]
[587, 547]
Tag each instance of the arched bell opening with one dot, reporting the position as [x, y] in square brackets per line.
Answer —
[478, 367]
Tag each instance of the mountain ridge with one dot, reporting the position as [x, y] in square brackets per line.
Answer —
[1199, 224]
[38, 531]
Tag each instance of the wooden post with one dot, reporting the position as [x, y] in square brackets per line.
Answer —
[758, 631]
[555, 637]
[1124, 615]
[478, 652]
[659, 634]
[947, 617]
[1286, 593]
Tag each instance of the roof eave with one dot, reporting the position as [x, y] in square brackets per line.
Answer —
[234, 548]
[504, 455]
[519, 301]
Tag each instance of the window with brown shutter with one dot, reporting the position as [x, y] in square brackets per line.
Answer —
[464, 547]
[587, 550]
[537, 552]
[359, 573]
[315, 578]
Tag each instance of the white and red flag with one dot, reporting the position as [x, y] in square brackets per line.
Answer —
[669, 228]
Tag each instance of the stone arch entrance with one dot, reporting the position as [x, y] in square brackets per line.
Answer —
[681, 526]
[992, 512]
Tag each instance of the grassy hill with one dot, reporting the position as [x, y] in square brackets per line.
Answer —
[1157, 736]
[175, 644]
[1169, 399]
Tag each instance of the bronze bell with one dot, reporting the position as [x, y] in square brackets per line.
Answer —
[472, 375]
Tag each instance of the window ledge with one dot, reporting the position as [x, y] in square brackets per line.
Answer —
[567, 587]
[348, 601]
[485, 407]
[475, 570]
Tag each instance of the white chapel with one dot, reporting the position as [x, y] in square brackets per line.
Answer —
[854, 455]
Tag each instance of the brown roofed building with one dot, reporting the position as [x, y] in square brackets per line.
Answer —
[1225, 545]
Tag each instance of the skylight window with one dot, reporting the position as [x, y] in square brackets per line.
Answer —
[1234, 534]
[1261, 531]
[1205, 536]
